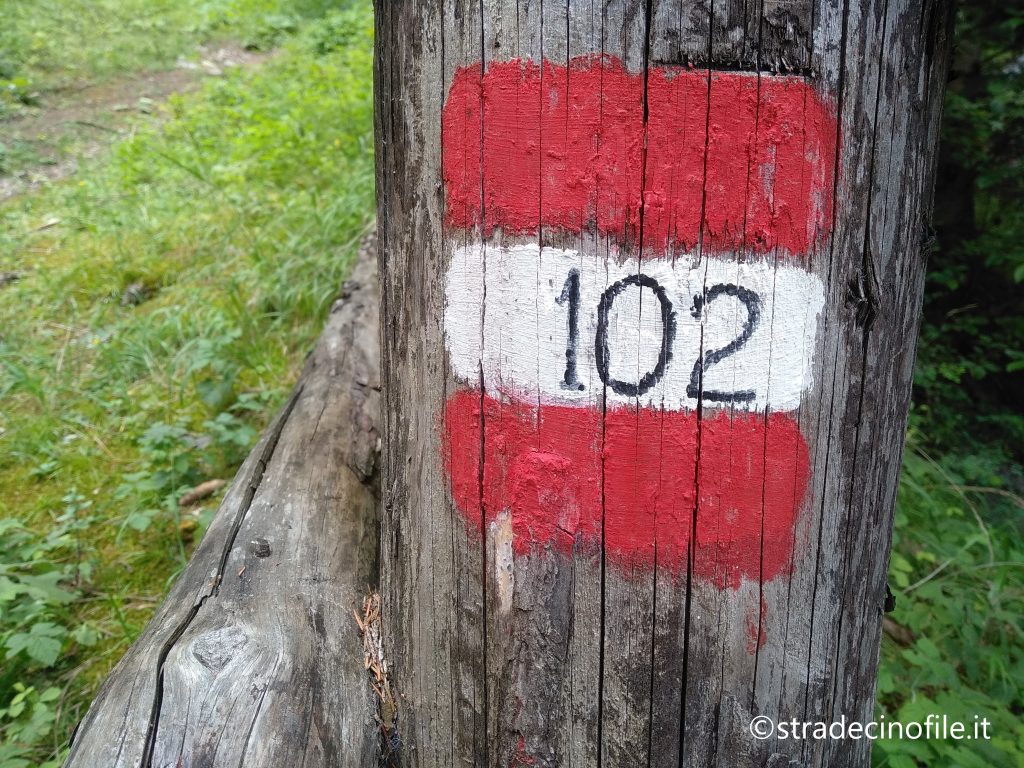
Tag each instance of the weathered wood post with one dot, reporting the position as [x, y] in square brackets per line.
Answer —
[651, 275]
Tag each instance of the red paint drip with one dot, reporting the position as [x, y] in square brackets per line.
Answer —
[571, 138]
[521, 758]
[755, 626]
[543, 465]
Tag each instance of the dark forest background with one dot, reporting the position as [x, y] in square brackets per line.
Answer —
[954, 644]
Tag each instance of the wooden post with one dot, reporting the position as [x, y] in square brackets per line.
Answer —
[651, 279]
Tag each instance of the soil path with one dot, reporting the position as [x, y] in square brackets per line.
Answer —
[75, 125]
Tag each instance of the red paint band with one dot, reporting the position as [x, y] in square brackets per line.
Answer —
[543, 465]
[563, 147]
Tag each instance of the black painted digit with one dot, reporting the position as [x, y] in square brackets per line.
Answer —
[752, 302]
[668, 335]
[571, 294]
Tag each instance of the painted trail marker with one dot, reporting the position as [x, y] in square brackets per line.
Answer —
[651, 274]
[573, 157]
[543, 468]
[558, 325]
[645, 331]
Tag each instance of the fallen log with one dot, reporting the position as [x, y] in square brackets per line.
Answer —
[255, 658]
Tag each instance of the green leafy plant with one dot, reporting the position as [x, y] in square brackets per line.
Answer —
[957, 565]
[27, 719]
[40, 578]
[958, 572]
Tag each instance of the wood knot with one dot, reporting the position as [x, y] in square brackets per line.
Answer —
[260, 547]
[216, 648]
[862, 295]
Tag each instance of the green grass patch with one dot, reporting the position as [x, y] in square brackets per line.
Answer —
[53, 44]
[957, 570]
[165, 300]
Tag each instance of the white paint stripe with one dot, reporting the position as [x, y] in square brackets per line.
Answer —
[522, 349]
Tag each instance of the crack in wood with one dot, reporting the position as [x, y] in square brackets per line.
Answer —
[252, 486]
[686, 61]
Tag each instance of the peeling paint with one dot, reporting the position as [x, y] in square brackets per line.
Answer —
[501, 537]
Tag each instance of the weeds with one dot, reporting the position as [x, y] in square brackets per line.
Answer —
[48, 45]
[957, 569]
[151, 332]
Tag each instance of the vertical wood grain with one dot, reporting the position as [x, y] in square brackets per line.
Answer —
[547, 659]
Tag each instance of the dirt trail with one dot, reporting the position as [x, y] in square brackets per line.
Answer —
[74, 126]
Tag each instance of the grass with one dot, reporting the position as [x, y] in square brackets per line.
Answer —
[74, 53]
[957, 571]
[50, 45]
[167, 295]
